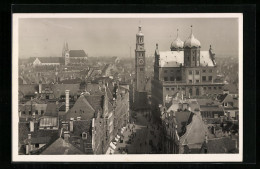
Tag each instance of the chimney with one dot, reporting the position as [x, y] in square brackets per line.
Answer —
[206, 138]
[40, 87]
[66, 137]
[31, 127]
[28, 147]
[67, 92]
[71, 124]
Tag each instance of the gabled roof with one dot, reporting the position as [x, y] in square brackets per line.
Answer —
[96, 101]
[50, 59]
[82, 108]
[232, 88]
[182, 118]
[80, 126]
[60, 146]
[77, 53]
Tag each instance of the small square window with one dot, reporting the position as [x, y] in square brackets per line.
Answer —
[204, 88]
[165, 71]
[36, 112]
[209, 88]
[190, 81]
[210, 77]
[37, 145]
[167, 89]
[42, 112]
[203, 78]
[210, 70]
[165, 78]
[215, 88]
[197, 72]
[172, 88]
[204, 71]
[190, 72]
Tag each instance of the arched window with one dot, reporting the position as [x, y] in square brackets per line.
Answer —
[197, 91]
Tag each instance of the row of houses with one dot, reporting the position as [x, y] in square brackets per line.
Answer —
[69, 119]
[200, 125]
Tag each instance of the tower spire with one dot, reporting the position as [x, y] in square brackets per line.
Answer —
[177, 33]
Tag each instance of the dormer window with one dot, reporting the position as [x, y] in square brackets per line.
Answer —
[84, 135]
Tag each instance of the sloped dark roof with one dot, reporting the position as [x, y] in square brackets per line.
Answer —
[221, 145]
[61, 147]
[222, 97]
[232, 88]
[28, 89]
[96, 101]
[82, 108]
[81, 126]
[51, 110]
[71, 81]
[41, 136]
[50, 59]
[182, 118]
[77, 53]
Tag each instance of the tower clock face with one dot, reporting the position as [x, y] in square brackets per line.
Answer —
[141, 61]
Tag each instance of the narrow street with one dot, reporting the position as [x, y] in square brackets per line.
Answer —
[140, 137]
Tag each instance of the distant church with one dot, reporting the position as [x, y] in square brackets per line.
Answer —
[184, 69]
[140, 94]
[73, 57]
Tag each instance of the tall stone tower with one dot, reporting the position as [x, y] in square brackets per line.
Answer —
[140, 61]
[140, 95]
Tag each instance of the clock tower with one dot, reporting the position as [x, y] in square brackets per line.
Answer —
[140, 62]
[140, 95]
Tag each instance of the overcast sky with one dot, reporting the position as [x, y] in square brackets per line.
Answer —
[113, 37]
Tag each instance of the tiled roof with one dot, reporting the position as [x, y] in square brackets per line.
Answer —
[96, 101]
[51, 110]
[50, 59]
[221, 145]
[232, 88]
[82, 108]
[211, 108]
[61, 147]
[208, 102]
[37, 135]
[28, 89]
[221, 97]
[80, 126]
[59, 89]
[71, 81]
[77, 53]
[205, 59]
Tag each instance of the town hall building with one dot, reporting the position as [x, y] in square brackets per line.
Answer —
[184, 69]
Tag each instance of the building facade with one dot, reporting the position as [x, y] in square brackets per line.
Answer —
[186, 69]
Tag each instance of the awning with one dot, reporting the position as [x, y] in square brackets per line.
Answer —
[112, 146]
[117, 136]
[110, 151]
[116, 139]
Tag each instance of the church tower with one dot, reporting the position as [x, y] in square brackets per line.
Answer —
[66, 53]
[140, 62]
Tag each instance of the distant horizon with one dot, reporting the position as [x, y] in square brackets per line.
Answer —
[98, 37]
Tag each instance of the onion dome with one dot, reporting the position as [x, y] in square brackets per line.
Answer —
[140, 31]
[177, 43]
[192, 41]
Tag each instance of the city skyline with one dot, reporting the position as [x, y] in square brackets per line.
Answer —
[107, 37]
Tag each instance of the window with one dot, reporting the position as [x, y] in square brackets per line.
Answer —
[171, 70]
[197, 91]
[215, 88]
[37, 146]
[36, 112]
[209, 88]
[178, 78]
[210, 77]
[197, 72]
[190, 72]
[193, 58]
[210, 70]
[220, 87]
[204, 88]
[165, 71]
[203, 78]
[172, 78]
[141, 69]
[204, 71]
[23, 112]
[197, 81]
[167, 89]
[165, 78]
[172, 88]
[30, 113]
[42, 112]
[178, 70]
[190, 81]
